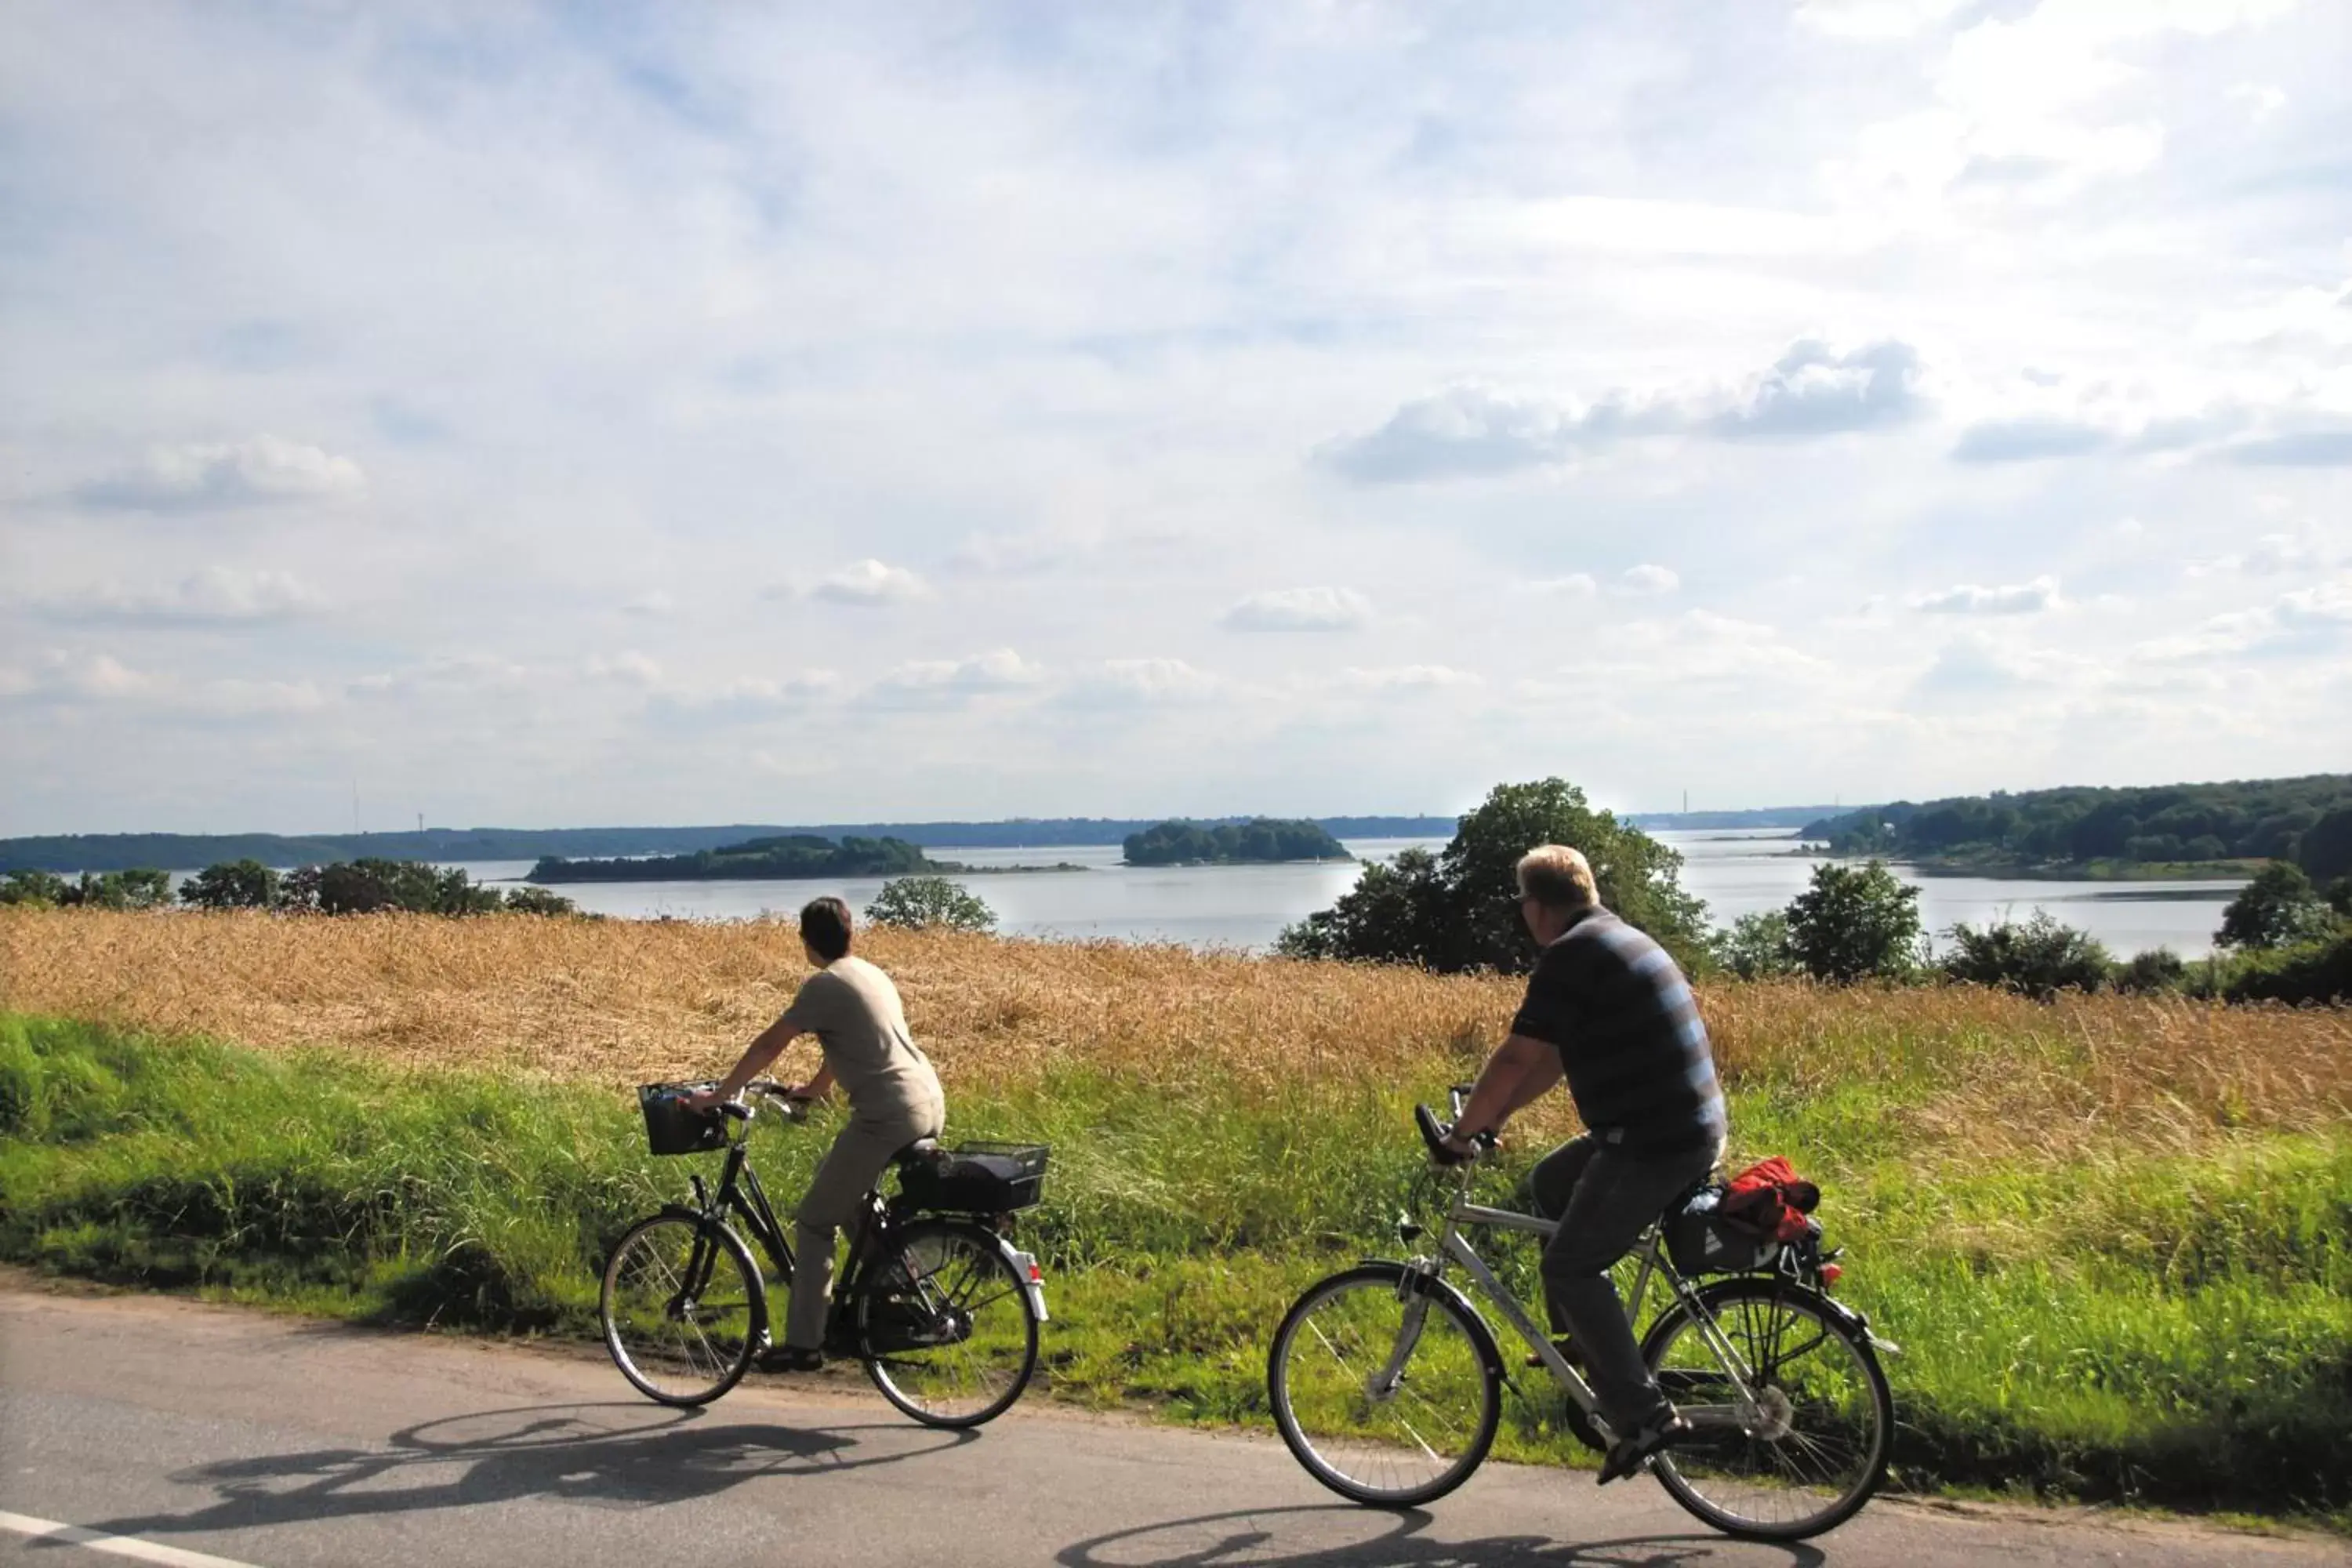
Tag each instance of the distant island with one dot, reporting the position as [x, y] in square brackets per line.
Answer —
[2190, 830]
[1259, 841]
[71, 852]
[796, 854]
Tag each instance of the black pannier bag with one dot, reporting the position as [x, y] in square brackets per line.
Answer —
[671, 1127]
[1702, 1239]
[977, 1178]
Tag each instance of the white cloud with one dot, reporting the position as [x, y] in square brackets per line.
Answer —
[1469, 430]
[1575, 585]
[1021, 553]
[1648, 578]
[628, 668]
[869, 582]
[201, 474]
[651, 605]
[1301, 610]
[216, 594]
[2010, 599]
[1145, 683]
[951, 681]
[1408, 678]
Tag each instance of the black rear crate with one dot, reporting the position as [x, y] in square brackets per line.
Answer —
[977, 1178]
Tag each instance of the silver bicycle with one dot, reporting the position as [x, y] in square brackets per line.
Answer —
[1386, 1382]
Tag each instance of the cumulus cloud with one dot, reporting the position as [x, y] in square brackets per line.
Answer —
[869, 582]
[1144, 682]
[1812, 390]
[194, 476]
[2303, 620]
[1021, 553]
[2011, 599]
[1408, 678]
[1301, 610]
[1575, 585]
[60, 674]
[950, 681]
[1973, 668]
[1648, 578]
[449, 674]
[216, 594]
[2032, 438]
[748, 698]
[628, 668]
[1471, 430]
[2296, 449]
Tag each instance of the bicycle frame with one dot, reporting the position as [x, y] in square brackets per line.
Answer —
[1744, 1412]
[739, 1194]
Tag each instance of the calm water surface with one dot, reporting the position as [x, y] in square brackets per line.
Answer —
[1247, 906]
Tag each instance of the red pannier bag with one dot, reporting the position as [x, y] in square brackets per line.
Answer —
[1772, 1198]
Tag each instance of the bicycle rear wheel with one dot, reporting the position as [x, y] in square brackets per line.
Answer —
[683, 1308]
[1387, 1398]
[1825, 1419]
[945, 1325]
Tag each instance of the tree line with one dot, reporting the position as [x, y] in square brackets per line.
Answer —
[340, 887]
[2281, 939]
[785, 856]
[1260, 839]
[2308, 821]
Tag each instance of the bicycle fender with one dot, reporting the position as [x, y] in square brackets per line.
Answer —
[1032, 1278]
[1420, 1284]
[1830, 1306]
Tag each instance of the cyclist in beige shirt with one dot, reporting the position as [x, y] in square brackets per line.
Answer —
[894, 1098]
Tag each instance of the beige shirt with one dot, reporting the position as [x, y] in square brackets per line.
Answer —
[855, 1013]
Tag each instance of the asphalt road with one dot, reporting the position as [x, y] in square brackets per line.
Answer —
[195, 1437]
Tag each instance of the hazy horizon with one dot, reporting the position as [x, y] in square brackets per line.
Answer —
[545, 413]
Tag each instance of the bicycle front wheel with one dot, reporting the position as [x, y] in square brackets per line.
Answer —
[1387, 1397]
[945, 1325]
[1814, 1446]
[683, 1308]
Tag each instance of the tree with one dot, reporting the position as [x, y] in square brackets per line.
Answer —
[1398, 913]
[2323, 849]
[366, 885]
[927, 903]
[232, 885]
[529, 900]
[1855, 923]
[1756, 947]
[143, 888]
[1461, 910]
[2038, 959]
[2155, 969]
[2277, 908]
[37, 888]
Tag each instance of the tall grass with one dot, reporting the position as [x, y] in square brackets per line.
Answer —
[2111, 1234]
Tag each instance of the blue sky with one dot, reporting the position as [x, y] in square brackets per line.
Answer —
[575, 414]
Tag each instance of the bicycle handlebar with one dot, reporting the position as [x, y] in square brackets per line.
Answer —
[1434, 1132]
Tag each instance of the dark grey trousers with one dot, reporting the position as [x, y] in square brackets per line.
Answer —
[1602, 1199]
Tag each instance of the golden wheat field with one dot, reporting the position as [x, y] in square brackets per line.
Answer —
[621, 1002]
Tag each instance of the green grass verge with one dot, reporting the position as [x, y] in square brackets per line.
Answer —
[2149, 1327]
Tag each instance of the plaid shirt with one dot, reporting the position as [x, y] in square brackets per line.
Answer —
[1612, 1001]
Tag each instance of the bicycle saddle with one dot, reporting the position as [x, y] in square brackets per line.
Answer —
[921, 1151]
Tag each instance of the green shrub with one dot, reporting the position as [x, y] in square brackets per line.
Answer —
[918, 903]
[2038, 959]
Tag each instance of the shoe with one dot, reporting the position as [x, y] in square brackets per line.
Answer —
[1569, 1352]
[791, 1358]
[1631, 1452]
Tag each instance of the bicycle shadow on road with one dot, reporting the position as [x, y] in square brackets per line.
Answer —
[1338, 1535]
[622, 1456]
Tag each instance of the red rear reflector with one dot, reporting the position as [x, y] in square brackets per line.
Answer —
[1036, 1275]
[1831, 1274]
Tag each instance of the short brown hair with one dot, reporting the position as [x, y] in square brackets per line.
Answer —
[824, 926]
[1557, 878]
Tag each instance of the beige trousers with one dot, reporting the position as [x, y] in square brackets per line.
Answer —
[859, 1155]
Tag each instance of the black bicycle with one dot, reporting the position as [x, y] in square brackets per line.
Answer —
[935, 1299]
